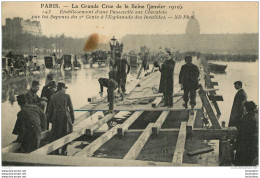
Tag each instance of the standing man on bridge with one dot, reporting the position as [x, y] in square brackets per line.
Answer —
[61, 114]
[237, 111]
[121, 64]
[188, 78]
[166, 81]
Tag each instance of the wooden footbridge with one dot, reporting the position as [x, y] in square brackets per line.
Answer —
[140, 132]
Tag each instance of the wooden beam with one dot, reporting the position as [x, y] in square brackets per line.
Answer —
[139, 144]
[179, 148]
[200, 151]
[215, 97]
[156, 102]
[155, 95]
[57, 160]
[191, 121]
[224, 152]
[91, 148]
[139, 72]
[90, 130]
[159, 122]
[11, 148]
[131, 86]
[124, 127]
[209, 110]
[78, 131]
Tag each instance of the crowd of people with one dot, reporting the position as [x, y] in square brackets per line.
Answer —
[55, 107]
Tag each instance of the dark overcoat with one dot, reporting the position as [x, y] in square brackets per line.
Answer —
[166, 81]
[61, 114]
[31, 121]
[188, 76]
[237, 110]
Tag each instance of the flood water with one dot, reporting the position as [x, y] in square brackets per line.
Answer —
[84, 83]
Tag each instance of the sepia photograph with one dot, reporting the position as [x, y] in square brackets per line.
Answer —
[130, 84]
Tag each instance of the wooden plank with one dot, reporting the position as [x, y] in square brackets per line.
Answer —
[91, 148]
[159, 122]
[191, 121]
[90, 130]
[200, 151]
[139, 72]
[156, 102]
[215, 97]
[57, 160]
[155, 95]
[209, 110]
[124, 127]
[80, 130]
[139, 144]
[179, 148]
[131, 86]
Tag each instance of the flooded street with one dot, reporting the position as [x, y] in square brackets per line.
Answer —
[84, 83]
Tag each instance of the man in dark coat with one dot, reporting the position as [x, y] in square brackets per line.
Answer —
[166, 81]
[188, 78]
[47, 91]
[31, 121]
[121, 64]
[61, 114]
[237, 110]
[31, 95]
[111, 86]
[145, 64]
[246, 141]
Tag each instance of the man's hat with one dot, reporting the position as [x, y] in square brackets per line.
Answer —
[238, 83]
[35, 83]
[50, 76]
[52, 84]
[250, 105]
[21, 99]
[188, 58]
[61, 85]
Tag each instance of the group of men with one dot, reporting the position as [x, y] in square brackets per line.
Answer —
[35, 116]
[245, 146]
[188, 79]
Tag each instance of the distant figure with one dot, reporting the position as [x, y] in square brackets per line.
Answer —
[61, 115]
[111, 86]
[31, 121]
[31, 95]
[145, 64]
[188, 78]
[121, 64]
[247, 140]
[166, 81]
[237, 110]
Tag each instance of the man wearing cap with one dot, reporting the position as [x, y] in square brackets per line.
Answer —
[166, 81]
[111, 86]
[189, 80]
[237, 110]
[121, 64]
[31, 95]
[31, 121]
[61, 114]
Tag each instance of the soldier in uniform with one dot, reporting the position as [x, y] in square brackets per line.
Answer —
[121, 64]
[111, 86]
[188, 78]
[31, 121]
[166, 81]
[61, 114]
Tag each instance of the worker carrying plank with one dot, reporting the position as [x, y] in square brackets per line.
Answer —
[111, 86]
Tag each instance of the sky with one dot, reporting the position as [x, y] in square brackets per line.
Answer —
[214, 18]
